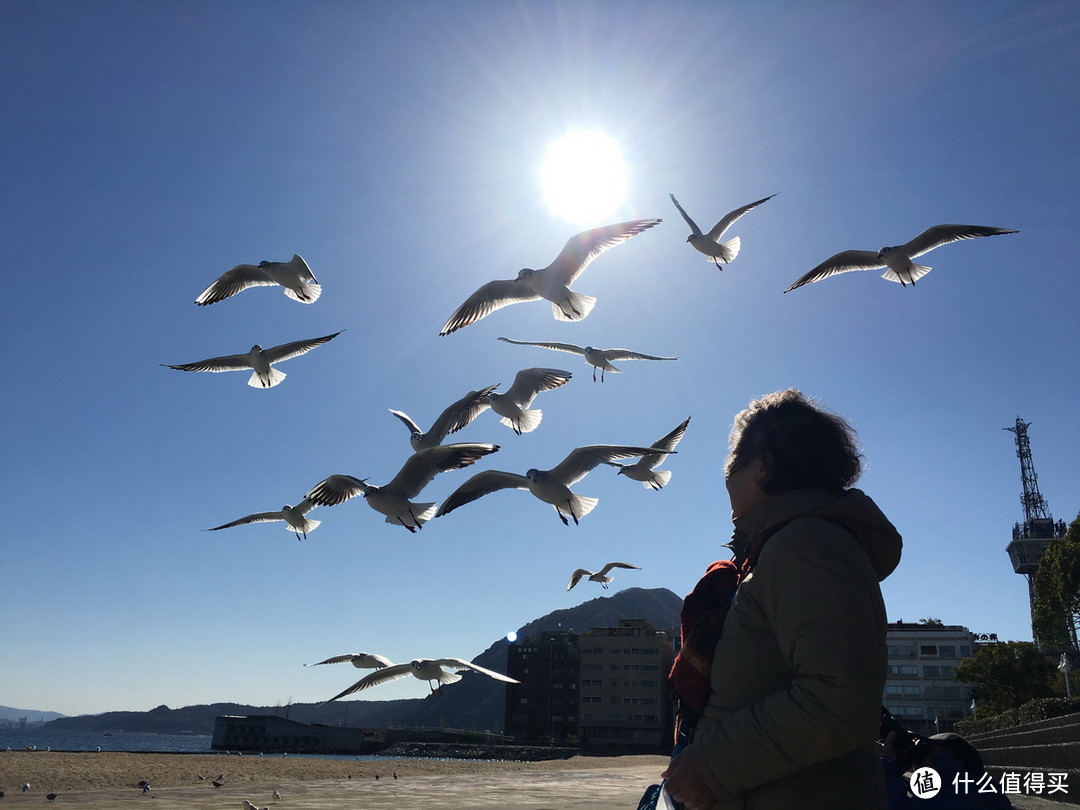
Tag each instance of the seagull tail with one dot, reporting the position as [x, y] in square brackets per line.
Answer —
[526, 421]
[659, 479]
[581, 505]
[574, 307]
[728, 250]
[307, 292]
[272, 378]
[309, 526]
[423, 512]
[917, 271]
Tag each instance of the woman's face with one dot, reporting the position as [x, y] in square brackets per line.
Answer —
[744, 487]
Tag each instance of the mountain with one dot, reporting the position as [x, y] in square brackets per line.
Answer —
[474, 703]
[31, 715]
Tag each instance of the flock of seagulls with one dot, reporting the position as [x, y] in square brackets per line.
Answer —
[397, 499]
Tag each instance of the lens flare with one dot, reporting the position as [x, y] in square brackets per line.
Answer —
[584, 178]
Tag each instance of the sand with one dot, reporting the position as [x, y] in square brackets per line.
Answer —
[110, 780]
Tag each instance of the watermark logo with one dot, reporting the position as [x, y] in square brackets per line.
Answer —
[925, 783]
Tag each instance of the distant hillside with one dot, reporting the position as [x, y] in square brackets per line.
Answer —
[31, 715]
[475, 702]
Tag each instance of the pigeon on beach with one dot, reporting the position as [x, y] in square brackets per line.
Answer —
[294, 516]
[452, 419]
[597, 358]
[551, 282]
[709, 243]
[395, 498]
[644, 469]
[359, 660]
[600, 576]
[550, 486]
[513, 406]
[897, 259]
[294, 275]
[260, 360]
[441, 670]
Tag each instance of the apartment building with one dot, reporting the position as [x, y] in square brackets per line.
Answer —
[919, 688]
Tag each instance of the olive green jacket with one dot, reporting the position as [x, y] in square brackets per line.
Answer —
[799, 671]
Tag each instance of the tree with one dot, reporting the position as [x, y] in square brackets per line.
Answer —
[1057, 591]
[1007, 675]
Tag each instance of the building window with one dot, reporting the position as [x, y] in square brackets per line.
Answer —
[901, 650]
[947, 650]
[928, 649]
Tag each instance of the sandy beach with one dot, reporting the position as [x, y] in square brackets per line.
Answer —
[110, 780]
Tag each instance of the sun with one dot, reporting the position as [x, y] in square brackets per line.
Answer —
[583, 177]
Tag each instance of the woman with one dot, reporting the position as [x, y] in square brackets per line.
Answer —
[798, 673]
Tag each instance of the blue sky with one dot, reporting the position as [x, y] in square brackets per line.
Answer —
[149, 147]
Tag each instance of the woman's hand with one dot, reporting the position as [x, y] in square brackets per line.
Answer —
[685, 784]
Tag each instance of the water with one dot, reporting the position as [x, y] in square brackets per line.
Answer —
[43, 738]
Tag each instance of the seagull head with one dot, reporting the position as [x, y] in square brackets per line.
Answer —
[524, 273]
[533, 475]
[256, 348]
[881, 253]
[690, 238]
[366, 487]
[264, 263]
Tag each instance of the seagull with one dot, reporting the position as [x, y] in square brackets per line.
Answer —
[359, 660]
[260, 360]
[294, 275]
[552, 282]
[441, 670]
[451, 420]
[550, 486]
[709, 243]
[294, 516]
[394, 499]
[249, 806]
[597, 358]
[599, 576]
[643, 469]
[898, 259]
[513, 406]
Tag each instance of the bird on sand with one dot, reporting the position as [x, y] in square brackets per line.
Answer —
[259, 360]
[395, 498]
[644, 469]
[709, 243]
[453, 418]
[513, 406]
[294, 275]
[359, 660]
[294, 516]
[440, 670]
[597, 358]
[600, 576]
[897, 260]
[552, 282]
[550, 486]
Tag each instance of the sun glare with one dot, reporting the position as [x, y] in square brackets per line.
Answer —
[583, 178]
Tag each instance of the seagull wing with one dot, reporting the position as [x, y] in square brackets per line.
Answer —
[626, 354]
[940, 235]
[531, 381]
[337, 659]
[557, 347]
[409, 423]
[581, 460]
[575, 577]
[335, 489]
[287, 351]
[610, 565]
[423, 466]
[258, 517]
[233, 281]
[390, 673]
[843, 262]
[460, 413]
[490, 297]
[581, 249]
[460, 663]
[230, 362]
[721, 226]
[483, 483]
[690, 222]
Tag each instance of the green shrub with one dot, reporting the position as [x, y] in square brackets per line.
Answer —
[1030, 712]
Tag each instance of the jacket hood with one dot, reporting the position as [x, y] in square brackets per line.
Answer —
[852, 509]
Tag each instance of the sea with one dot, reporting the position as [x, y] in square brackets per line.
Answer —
[43, 738]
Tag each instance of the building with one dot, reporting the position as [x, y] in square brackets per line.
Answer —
[624, 699]
[271, 734]
[919, 687]
[544, 706]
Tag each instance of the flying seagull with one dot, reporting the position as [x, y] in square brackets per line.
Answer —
[709, 243]
[294, 275]
[550, 486]
[600, 576]
[897, 259]
[644, 469]
[294, 516]
[552, 282]
[359, 660]
[395, 498]
[441, 670]
[597, 358]
[452, 419]
[513, 406]
[260, 360]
